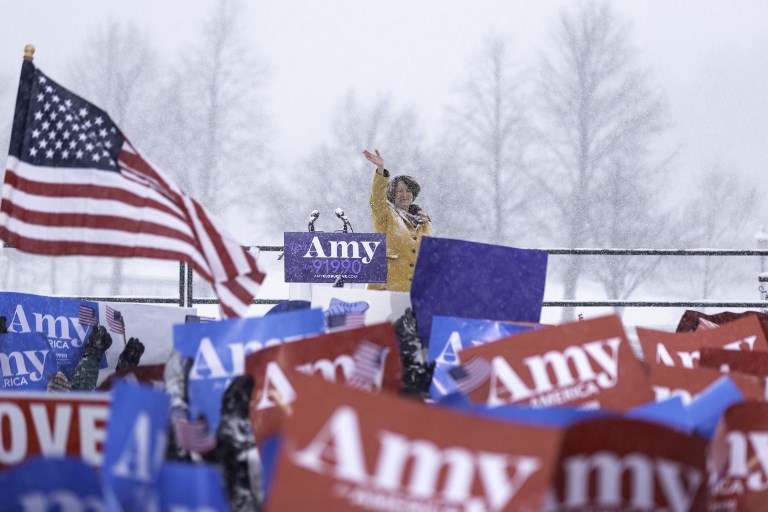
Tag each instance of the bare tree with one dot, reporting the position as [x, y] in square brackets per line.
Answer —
[115, 69]
[632, 218]
[720, 214]
[596, 108]
[489, 133]
[450, 192]
[336, 175]
[212, 119]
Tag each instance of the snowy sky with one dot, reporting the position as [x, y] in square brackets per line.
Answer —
[708, 56]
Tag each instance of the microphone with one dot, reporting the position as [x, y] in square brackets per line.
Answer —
[344, 219]
[312, 218]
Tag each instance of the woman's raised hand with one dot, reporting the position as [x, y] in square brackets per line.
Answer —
[376, 159]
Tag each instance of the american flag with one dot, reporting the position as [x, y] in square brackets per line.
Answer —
[347, 315]
[75, 185]
[350, 320]
[193, 435]
[115, 321]
[369, 360]
[470, 375]
[87, 315]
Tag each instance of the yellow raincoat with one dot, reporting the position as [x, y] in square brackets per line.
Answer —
[403, 239]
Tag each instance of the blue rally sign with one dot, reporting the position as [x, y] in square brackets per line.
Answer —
[450, 335]
[137, 434]
[319, 257]
[51, 484]
[26, 362]
[474, 280]
[218, 351]
[66, 323]
[191, 487]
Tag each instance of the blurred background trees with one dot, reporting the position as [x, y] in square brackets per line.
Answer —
[597, 115]
[564, 145]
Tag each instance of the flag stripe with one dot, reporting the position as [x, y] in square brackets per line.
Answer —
[130, 158]
[115, 320]
[67, 204]
[86, 315]
[68, 248]
[26, 204]
[471, 374]
[125, 243]
[93, 221]
[368, 363]
[85, 183]
[235, 259]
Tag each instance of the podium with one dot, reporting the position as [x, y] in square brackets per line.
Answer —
[342, 259]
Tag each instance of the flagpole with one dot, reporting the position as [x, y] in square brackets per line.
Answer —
[29, 52]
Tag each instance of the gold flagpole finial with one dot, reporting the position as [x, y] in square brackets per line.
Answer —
[29, 51]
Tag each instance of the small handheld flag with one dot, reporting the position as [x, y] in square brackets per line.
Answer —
[87, 315]
[470, 375]
[369, 361]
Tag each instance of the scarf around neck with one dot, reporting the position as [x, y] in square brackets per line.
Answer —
[415, 215]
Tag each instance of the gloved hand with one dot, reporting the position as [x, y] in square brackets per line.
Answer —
[131, 354]
[3, 326]
[87, 372]
[98, 343]
[417, 375]
[234, 439]
[236, 397]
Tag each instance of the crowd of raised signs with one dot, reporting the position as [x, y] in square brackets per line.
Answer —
[451, 398]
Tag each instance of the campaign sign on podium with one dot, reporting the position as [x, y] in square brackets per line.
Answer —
[319, 257]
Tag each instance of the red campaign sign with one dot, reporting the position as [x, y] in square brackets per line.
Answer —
[617, 464]
[587, 363]
[694, 320]
[52, 424]
[738, 459]
[687, 383]
[682, 349]
[348, 450]
[330, 356]
[751, 363]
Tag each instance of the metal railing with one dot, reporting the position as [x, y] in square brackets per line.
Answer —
[186, 296]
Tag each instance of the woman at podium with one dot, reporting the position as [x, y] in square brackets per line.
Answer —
[394, 213]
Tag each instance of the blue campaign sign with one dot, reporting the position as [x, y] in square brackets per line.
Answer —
[218, 351]
[51, 484]
[474, 280]
[27, 362]
[137, 434]
[66, 323]
[318, 257]
[191, 487]
[450, 335]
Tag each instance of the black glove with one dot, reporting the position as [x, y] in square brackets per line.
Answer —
[234, 439]
[131, 354]
[417, 375]
[98, 343]
[3, 326]
[87, 372]
[235, 401]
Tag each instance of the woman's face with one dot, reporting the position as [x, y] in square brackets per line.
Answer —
[403, 196]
